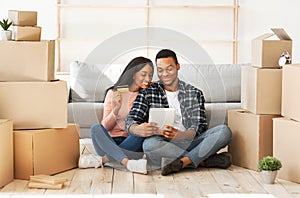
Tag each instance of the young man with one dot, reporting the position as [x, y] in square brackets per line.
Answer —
[188, 143]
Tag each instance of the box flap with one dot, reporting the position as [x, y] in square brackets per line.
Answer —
[264, 36]
[4, 120]
[281, 33]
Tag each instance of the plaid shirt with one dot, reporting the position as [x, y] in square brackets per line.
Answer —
[191, 102]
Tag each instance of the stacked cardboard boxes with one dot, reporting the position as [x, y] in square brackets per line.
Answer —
[24, 25]
[287, 129]
[261, 88]
[44, 143]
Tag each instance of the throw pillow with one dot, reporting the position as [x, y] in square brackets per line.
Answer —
[88, 82]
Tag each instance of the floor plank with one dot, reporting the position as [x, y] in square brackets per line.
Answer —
[82, 181]
[204, 181]
[292, 188]
[144, 184]
[226, 181]
[200, 183]
[203, 176]
[187, 186]
[246, 181]
[122, 182]
[15, 187]
[165, 185]
[275, 189]
[102, 181]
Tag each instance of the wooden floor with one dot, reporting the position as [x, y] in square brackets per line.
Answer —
[108, 182]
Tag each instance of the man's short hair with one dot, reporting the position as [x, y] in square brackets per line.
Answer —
[166, 53]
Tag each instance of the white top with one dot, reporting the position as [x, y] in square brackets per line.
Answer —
[174, 103]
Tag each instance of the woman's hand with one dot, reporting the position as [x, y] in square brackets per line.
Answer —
[116, 102]
[145, 129]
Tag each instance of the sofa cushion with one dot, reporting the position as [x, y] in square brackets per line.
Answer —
[88, 82]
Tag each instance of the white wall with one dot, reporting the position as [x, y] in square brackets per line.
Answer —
[84, 29]
[46, 13]
[258, 16]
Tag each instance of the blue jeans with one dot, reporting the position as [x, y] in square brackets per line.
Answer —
[198, 149]
[116, 148]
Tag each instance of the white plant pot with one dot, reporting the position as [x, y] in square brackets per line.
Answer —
[6, 35]
[269, 176]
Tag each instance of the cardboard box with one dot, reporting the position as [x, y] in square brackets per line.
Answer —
[27, 60]
[290, 92]
[266, 51]
[286, 148]
[261, 90]
[26, 18]
[6, 152]
[46, 151]
[26, 33]
[252, 137]
[33, 105]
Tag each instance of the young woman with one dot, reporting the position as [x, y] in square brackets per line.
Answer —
[110, 140]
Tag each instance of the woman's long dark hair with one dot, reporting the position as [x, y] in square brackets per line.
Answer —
[133, 66]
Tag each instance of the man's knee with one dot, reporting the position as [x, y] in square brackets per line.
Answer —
[225, 133]
[147, 145]
[151, 144]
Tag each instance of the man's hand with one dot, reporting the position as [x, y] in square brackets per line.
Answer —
[169, 132]
[172, 133]
[145, 129]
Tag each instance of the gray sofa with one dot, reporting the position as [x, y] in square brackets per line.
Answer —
[221, 85]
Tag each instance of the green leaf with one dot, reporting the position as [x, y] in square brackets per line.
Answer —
[5, 24]
[269, 163]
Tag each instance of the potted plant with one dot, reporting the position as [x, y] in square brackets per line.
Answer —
[6, 34]
[269, 167]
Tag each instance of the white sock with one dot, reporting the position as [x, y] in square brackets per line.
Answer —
[137, 166]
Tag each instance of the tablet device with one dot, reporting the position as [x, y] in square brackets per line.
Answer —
[162, 116]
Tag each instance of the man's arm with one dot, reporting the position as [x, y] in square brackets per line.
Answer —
[136, 121]
[197, 113]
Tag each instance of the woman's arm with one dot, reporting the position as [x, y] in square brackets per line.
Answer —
[109, 118]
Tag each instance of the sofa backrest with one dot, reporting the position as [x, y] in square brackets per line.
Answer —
[219, 83]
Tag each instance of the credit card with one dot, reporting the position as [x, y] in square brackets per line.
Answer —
[123, 88]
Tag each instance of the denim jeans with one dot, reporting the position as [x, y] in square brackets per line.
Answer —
[198, 149]
[105, 145]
